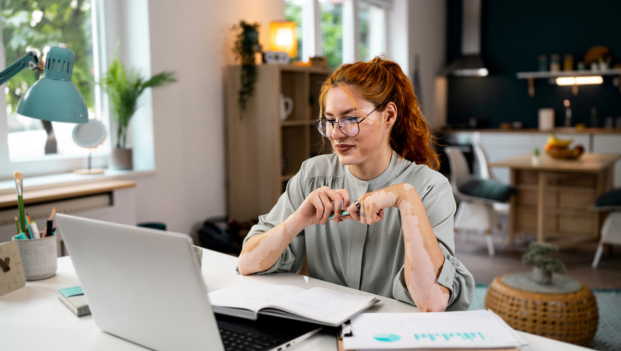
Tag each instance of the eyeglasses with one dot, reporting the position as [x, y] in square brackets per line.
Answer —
[349, 126]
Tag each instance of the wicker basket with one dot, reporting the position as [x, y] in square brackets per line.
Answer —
[571, 317]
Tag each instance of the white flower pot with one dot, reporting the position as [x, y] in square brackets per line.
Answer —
[121, 159]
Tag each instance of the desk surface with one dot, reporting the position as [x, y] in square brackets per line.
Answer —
[589, 162]
[65, 192]
[32, 318]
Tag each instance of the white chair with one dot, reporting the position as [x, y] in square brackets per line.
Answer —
[473, 213]
[484, 171]
[611, 232]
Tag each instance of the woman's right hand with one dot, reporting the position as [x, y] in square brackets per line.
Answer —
[320, 204]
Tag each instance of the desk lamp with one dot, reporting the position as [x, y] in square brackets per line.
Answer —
[54, 97]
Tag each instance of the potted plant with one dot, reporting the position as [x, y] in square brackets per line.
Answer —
[245, 48]
[124, 88]
[543, 264]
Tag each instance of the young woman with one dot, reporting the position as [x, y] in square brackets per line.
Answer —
[398, 241]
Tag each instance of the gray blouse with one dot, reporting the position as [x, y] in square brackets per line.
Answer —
[369, 258]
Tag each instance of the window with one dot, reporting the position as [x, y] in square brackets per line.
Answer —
[341, 30]
[372, 33]
[294, 12]
[332, 31]
[30, 25]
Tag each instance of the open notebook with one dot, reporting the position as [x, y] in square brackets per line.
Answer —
[315, 305]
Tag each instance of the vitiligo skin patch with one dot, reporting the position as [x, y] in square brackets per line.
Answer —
[423, 257]
[263, 250]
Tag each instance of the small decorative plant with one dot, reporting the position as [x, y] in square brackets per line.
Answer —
[246, 45]
[543, 264]
[124, 88]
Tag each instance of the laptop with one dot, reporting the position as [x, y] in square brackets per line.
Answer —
[145, 286]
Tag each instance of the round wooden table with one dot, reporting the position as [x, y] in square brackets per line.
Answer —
[571, 317]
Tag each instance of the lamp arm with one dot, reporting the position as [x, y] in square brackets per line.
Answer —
[30, 58]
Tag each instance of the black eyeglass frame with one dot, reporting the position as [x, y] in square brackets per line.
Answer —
[350, 120]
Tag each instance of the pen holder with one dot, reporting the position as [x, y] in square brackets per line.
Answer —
[38, 256]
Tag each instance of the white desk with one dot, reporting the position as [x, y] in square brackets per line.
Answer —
[32, 318]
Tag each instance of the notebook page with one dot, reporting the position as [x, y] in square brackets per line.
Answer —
[252, 296]
[324, 305]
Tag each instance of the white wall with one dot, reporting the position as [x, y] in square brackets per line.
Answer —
[427, 38]
[192, 38]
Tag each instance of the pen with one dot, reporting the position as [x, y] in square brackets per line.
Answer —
[48, 228]
[35, 230]
[29, 230]
[344, 213]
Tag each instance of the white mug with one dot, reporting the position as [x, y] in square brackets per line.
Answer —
[286, 106]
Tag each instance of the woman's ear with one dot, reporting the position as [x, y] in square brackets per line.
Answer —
[390, 113]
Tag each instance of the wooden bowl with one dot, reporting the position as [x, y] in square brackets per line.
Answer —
[563, 154]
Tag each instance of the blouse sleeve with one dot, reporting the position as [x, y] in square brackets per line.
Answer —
[440, 206]
[292, 258]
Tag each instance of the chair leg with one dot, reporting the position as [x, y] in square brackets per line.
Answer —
[598, 255]
[490, 243]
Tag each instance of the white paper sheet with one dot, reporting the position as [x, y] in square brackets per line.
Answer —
[324, 305]
[468, 329]
[252, 296]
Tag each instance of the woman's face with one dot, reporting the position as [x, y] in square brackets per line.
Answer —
[374, 131]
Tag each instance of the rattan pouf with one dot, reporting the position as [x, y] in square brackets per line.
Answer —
[571, 317]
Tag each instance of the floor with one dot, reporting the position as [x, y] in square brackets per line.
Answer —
[473, 254]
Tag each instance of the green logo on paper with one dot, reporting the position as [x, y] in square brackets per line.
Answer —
[387, 337]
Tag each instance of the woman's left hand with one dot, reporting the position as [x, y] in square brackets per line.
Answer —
[372, 204]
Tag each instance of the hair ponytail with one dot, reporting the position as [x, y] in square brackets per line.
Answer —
[380, 81]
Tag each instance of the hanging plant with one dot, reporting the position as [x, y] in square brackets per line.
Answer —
[246, 45]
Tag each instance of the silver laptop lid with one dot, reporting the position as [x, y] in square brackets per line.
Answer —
[142, 285]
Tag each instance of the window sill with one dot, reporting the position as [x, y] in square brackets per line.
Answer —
[64, 179]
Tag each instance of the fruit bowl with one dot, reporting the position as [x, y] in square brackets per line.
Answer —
[559, 149]
[563, 154]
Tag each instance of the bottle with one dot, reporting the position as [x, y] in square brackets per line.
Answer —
[594, 120]
[543, 63]
[555, 63]
[568, 62]
[567, 113]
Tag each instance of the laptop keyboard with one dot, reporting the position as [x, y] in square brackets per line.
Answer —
[246, 341]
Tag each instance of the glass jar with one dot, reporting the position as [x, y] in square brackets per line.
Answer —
[555, 63]
[568, 62]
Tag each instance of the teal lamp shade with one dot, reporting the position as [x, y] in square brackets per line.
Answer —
[55, 98]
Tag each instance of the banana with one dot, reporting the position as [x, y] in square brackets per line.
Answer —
[553, 140]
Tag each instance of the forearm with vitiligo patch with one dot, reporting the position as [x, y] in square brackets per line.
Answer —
[263, 250]
[423, 258]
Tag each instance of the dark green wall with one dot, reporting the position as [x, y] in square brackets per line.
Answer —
[514, 34]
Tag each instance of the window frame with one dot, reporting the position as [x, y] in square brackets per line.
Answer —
[311, 28]
[53, 164]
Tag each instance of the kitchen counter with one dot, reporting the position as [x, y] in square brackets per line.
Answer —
[561, 130]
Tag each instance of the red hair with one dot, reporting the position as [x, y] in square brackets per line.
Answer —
[380, 81]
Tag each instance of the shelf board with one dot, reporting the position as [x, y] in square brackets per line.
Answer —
[540, 75]
[297, 123]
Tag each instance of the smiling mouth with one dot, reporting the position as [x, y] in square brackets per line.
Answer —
[343, 148]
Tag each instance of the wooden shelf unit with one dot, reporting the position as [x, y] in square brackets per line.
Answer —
[264, 151]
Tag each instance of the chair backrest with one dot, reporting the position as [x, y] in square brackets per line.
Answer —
[460, 173]
[481, 157]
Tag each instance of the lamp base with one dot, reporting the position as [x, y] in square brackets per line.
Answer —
[86, 171]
